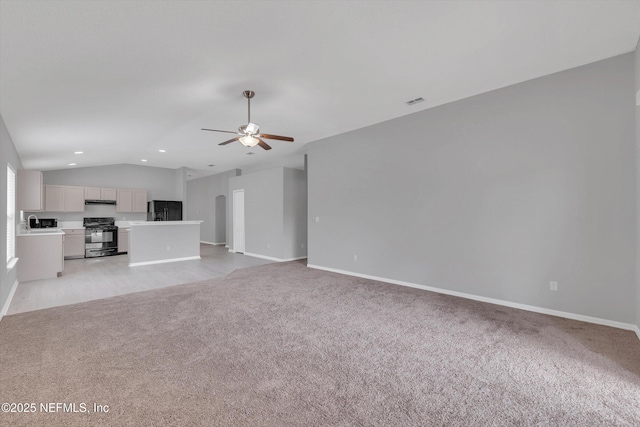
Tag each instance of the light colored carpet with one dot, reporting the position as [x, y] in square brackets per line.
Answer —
[284, 345]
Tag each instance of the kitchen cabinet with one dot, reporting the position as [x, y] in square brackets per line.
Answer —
[131, 201]
[96, 193]
[54, 198]
[124, 201]
[139, 201]
[30, 191]
[41, 256]
[73, 243]
[123, 240]
[73, 199]
[64, 198]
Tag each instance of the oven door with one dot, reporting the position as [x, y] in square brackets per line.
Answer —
[99, 236]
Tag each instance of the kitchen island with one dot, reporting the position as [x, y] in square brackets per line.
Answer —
[154, 242]
[40, 253]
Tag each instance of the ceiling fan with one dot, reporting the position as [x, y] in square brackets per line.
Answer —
[248, 134]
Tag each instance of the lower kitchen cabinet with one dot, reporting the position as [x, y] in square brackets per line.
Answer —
[40, 256]
[123, 240]
[73, 243]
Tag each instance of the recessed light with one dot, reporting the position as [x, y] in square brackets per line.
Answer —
[78, 152]
[72, 164]
[162, 151]
[143, 160]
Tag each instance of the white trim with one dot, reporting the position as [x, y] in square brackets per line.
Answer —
[637, 329]
[214, 243]
[580, 317]
[7, 303]
[12, 263]
[162, 261]
[270, 258]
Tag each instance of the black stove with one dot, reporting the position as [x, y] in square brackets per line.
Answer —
[100, 237]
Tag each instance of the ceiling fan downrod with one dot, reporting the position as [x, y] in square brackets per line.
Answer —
[248, 94]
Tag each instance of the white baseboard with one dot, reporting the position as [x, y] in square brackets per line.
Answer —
[580, 317]
[207, 243]
[7, 303]
[163, 261]
[273, 258]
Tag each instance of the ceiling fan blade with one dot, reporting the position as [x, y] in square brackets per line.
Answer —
[216, 130]
[263, 144]
[278, 137]
[230, 141]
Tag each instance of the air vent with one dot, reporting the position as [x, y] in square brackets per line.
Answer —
[211, 166]
[248, 154]
[415, 101]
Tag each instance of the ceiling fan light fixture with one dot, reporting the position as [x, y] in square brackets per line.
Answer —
[251, 129]
[249, 141]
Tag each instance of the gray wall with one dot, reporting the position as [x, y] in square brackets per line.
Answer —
[295, 213]
[201, 195]
[494, 195]
[8, 155]
[160, 183]
[637, 91]
[263, 210]
[275, 212]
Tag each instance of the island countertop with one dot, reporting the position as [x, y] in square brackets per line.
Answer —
[151, 223]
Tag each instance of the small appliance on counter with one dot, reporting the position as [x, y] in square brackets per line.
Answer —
[164, 210]
[43, 223]
[100, 237]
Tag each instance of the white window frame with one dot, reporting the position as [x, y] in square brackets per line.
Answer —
[11, 217]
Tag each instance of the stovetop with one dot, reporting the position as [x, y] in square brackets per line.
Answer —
[99, 222]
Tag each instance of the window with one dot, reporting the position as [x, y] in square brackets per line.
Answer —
[11, 215]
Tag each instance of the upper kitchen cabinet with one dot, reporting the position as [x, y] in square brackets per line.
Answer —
[30, 194]
[95, 193]
[131, 201]
[73, 199]
[139, 201]
[54, 198]
[124, 202]
[63, 198]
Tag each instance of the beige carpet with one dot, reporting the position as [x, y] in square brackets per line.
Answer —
[284, 345]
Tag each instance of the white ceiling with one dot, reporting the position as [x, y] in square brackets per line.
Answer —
[119, 80]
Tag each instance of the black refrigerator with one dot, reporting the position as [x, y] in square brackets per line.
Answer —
[164, 210]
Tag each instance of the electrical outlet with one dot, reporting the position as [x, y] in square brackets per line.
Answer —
[316, 219]
[553, 286]
[268, 245]
[355, 257]
[168, 248]
[302, 245]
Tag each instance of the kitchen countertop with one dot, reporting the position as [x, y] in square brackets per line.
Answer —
[40, 232]
[151, 223]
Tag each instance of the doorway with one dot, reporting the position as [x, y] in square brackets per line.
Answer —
[220, 220]
[238, 221]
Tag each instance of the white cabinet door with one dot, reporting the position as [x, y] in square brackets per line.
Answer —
[91, 193]
[73, 199]
[108, 194]
[123, 240]
[54, 198]
[139, 201]
[124, 202]
[30, 191]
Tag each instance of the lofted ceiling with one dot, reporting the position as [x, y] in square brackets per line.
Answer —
[120, 80]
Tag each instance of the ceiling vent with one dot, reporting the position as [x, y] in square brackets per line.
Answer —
[415, 101]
